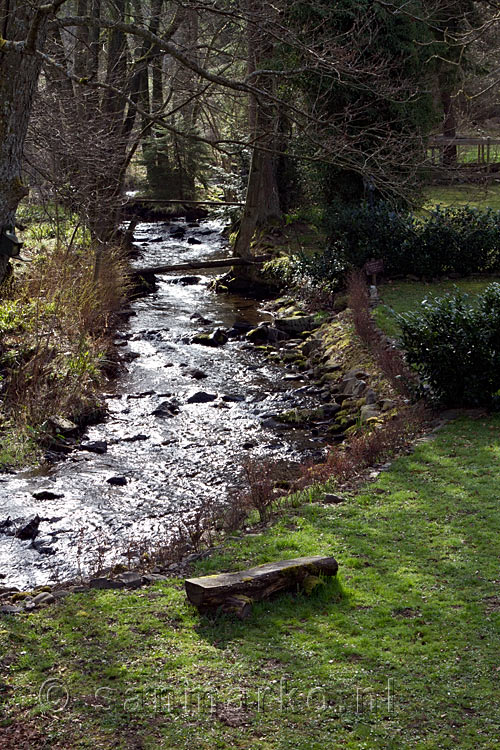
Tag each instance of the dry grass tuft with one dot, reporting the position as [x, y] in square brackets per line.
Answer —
[390, 359]
[56, 323]
[349, 460]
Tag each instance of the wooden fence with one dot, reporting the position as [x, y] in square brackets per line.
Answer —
[488, 149]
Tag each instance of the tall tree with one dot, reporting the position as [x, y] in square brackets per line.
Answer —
[262, 198]
[23, 32]
[346, 96]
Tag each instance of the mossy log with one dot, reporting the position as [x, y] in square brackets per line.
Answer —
[239, 605]
[195, 264]
[235, 591]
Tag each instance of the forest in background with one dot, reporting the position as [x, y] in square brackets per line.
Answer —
[286, 103]
[305, 112]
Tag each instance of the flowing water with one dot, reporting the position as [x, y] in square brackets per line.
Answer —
[170, 462]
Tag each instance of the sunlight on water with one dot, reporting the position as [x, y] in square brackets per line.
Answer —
[170, 463]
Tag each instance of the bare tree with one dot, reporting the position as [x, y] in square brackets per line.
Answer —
[24, 31]
[244, 50]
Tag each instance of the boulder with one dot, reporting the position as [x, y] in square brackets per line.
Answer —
[43, 598]
[330, 410]
[8, 590]
[117, 481]
[106, 583]
[142, 394]
[332, 367]
[370, 397]
[259, 335]
[330, 498]
[356, 372]
[10, 609]
[200, 319]
[275, 335]
[95, 446]
[166, 409]
[353, 387]
[29, 530]
[216, 338]
[368, 412]
[195, 373]
[130, 356]
[311, 345]
[201, 397]
[296, 324]
[388, 404]
[62, 425]
[5, 528]
[131, 580]
[47, 494]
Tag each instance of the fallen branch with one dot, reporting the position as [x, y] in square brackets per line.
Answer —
[218, 263]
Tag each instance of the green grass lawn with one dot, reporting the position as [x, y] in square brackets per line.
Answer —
[482, 196]
[416, 607]
[403, 296]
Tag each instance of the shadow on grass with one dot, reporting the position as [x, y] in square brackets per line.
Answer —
[418, 555]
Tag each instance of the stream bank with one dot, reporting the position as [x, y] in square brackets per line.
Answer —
[211, 381]
[196, 398]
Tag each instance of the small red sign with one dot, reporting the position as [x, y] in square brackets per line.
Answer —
[374, 266]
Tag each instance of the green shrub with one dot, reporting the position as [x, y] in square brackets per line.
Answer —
[281, 270]
[363, 232]
[454, 344]
[328, 268]
[460, 240]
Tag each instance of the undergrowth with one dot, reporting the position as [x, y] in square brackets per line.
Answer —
[56, 317]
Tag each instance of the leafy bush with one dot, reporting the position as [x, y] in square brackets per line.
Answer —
[363, 232]
[454, 343]
[281, 270]
[457, 240]
[461, 240]
[328, 268]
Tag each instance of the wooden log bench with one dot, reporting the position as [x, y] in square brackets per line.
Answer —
[235, 592]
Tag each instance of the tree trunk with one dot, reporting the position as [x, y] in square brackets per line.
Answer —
[262, 199]
[104, 220]
[449, 129]
[19, 73]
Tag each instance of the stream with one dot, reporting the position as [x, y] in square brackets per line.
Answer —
[165, 452]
